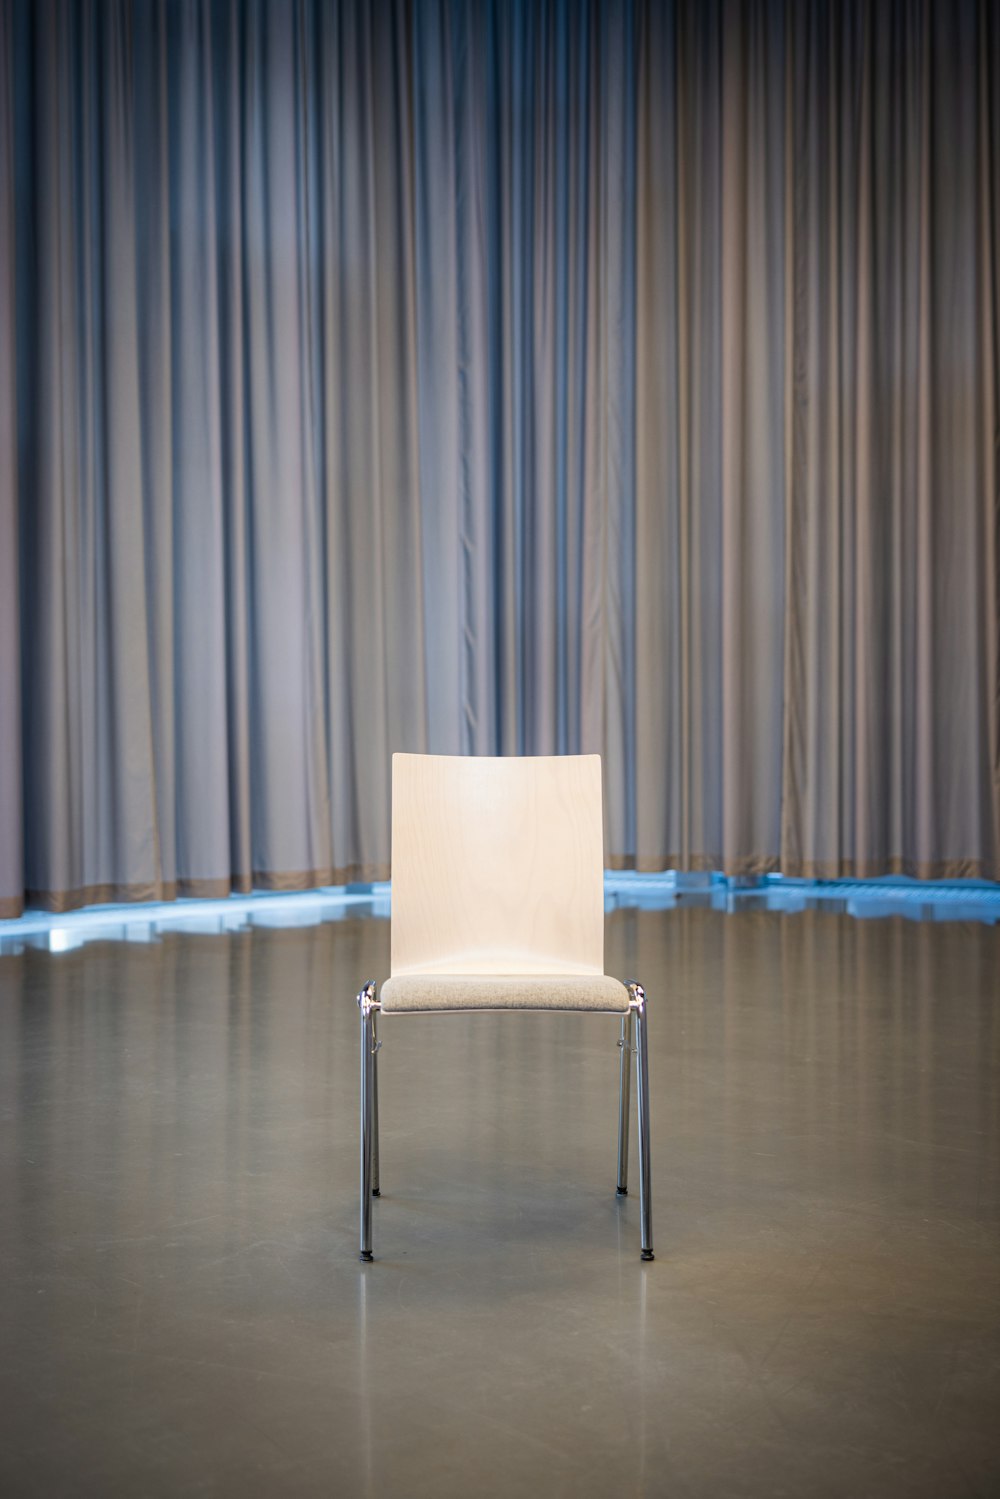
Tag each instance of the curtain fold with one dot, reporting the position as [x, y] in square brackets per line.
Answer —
[710, 496]
[892, 689]
[496, 378]
[11, 814]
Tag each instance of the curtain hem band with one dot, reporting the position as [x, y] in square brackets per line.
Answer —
[58, 901]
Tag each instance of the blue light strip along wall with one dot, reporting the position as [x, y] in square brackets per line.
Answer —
[958, 900]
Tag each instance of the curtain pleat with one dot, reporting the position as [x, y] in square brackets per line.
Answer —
[11, 807]
[496, 378]
[710, 496]
[892, 619]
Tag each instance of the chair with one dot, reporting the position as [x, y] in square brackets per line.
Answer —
[498, 904]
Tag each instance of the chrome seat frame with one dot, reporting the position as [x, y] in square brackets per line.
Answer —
[632, 1041]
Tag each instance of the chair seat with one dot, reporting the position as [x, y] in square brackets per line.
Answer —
[455, 991]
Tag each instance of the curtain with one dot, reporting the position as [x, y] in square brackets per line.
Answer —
[496, 378]
[11, 865]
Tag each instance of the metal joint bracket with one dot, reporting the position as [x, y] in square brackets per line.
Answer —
[366, 998]
[637, 995]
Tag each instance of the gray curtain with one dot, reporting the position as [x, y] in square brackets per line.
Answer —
[496, 378]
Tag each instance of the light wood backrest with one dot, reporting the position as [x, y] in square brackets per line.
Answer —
[497, 864]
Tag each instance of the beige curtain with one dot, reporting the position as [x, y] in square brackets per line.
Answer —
[496, 378]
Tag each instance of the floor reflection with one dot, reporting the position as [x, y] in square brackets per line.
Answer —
[181, 1305]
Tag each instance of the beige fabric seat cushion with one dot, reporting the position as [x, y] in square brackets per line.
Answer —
[455, 991]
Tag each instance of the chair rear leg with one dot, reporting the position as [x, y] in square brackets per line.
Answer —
[645, 1180]
[626, 1044]
[376, 1047]
[366, 1004]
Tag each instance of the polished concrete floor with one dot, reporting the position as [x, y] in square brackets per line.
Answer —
[182, 1310]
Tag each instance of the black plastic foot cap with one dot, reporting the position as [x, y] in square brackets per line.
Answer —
[622, 1192]
[367, 1256]
[648, 1254]
[376, 1192]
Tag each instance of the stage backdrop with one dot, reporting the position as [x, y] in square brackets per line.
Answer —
[496, 378]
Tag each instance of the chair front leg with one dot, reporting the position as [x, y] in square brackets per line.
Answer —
[367, 1004]
[642, 1069]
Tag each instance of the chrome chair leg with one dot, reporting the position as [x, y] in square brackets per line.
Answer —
[626, 1045]
[642, 1070]
[376, 1048]
[367, 1005]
